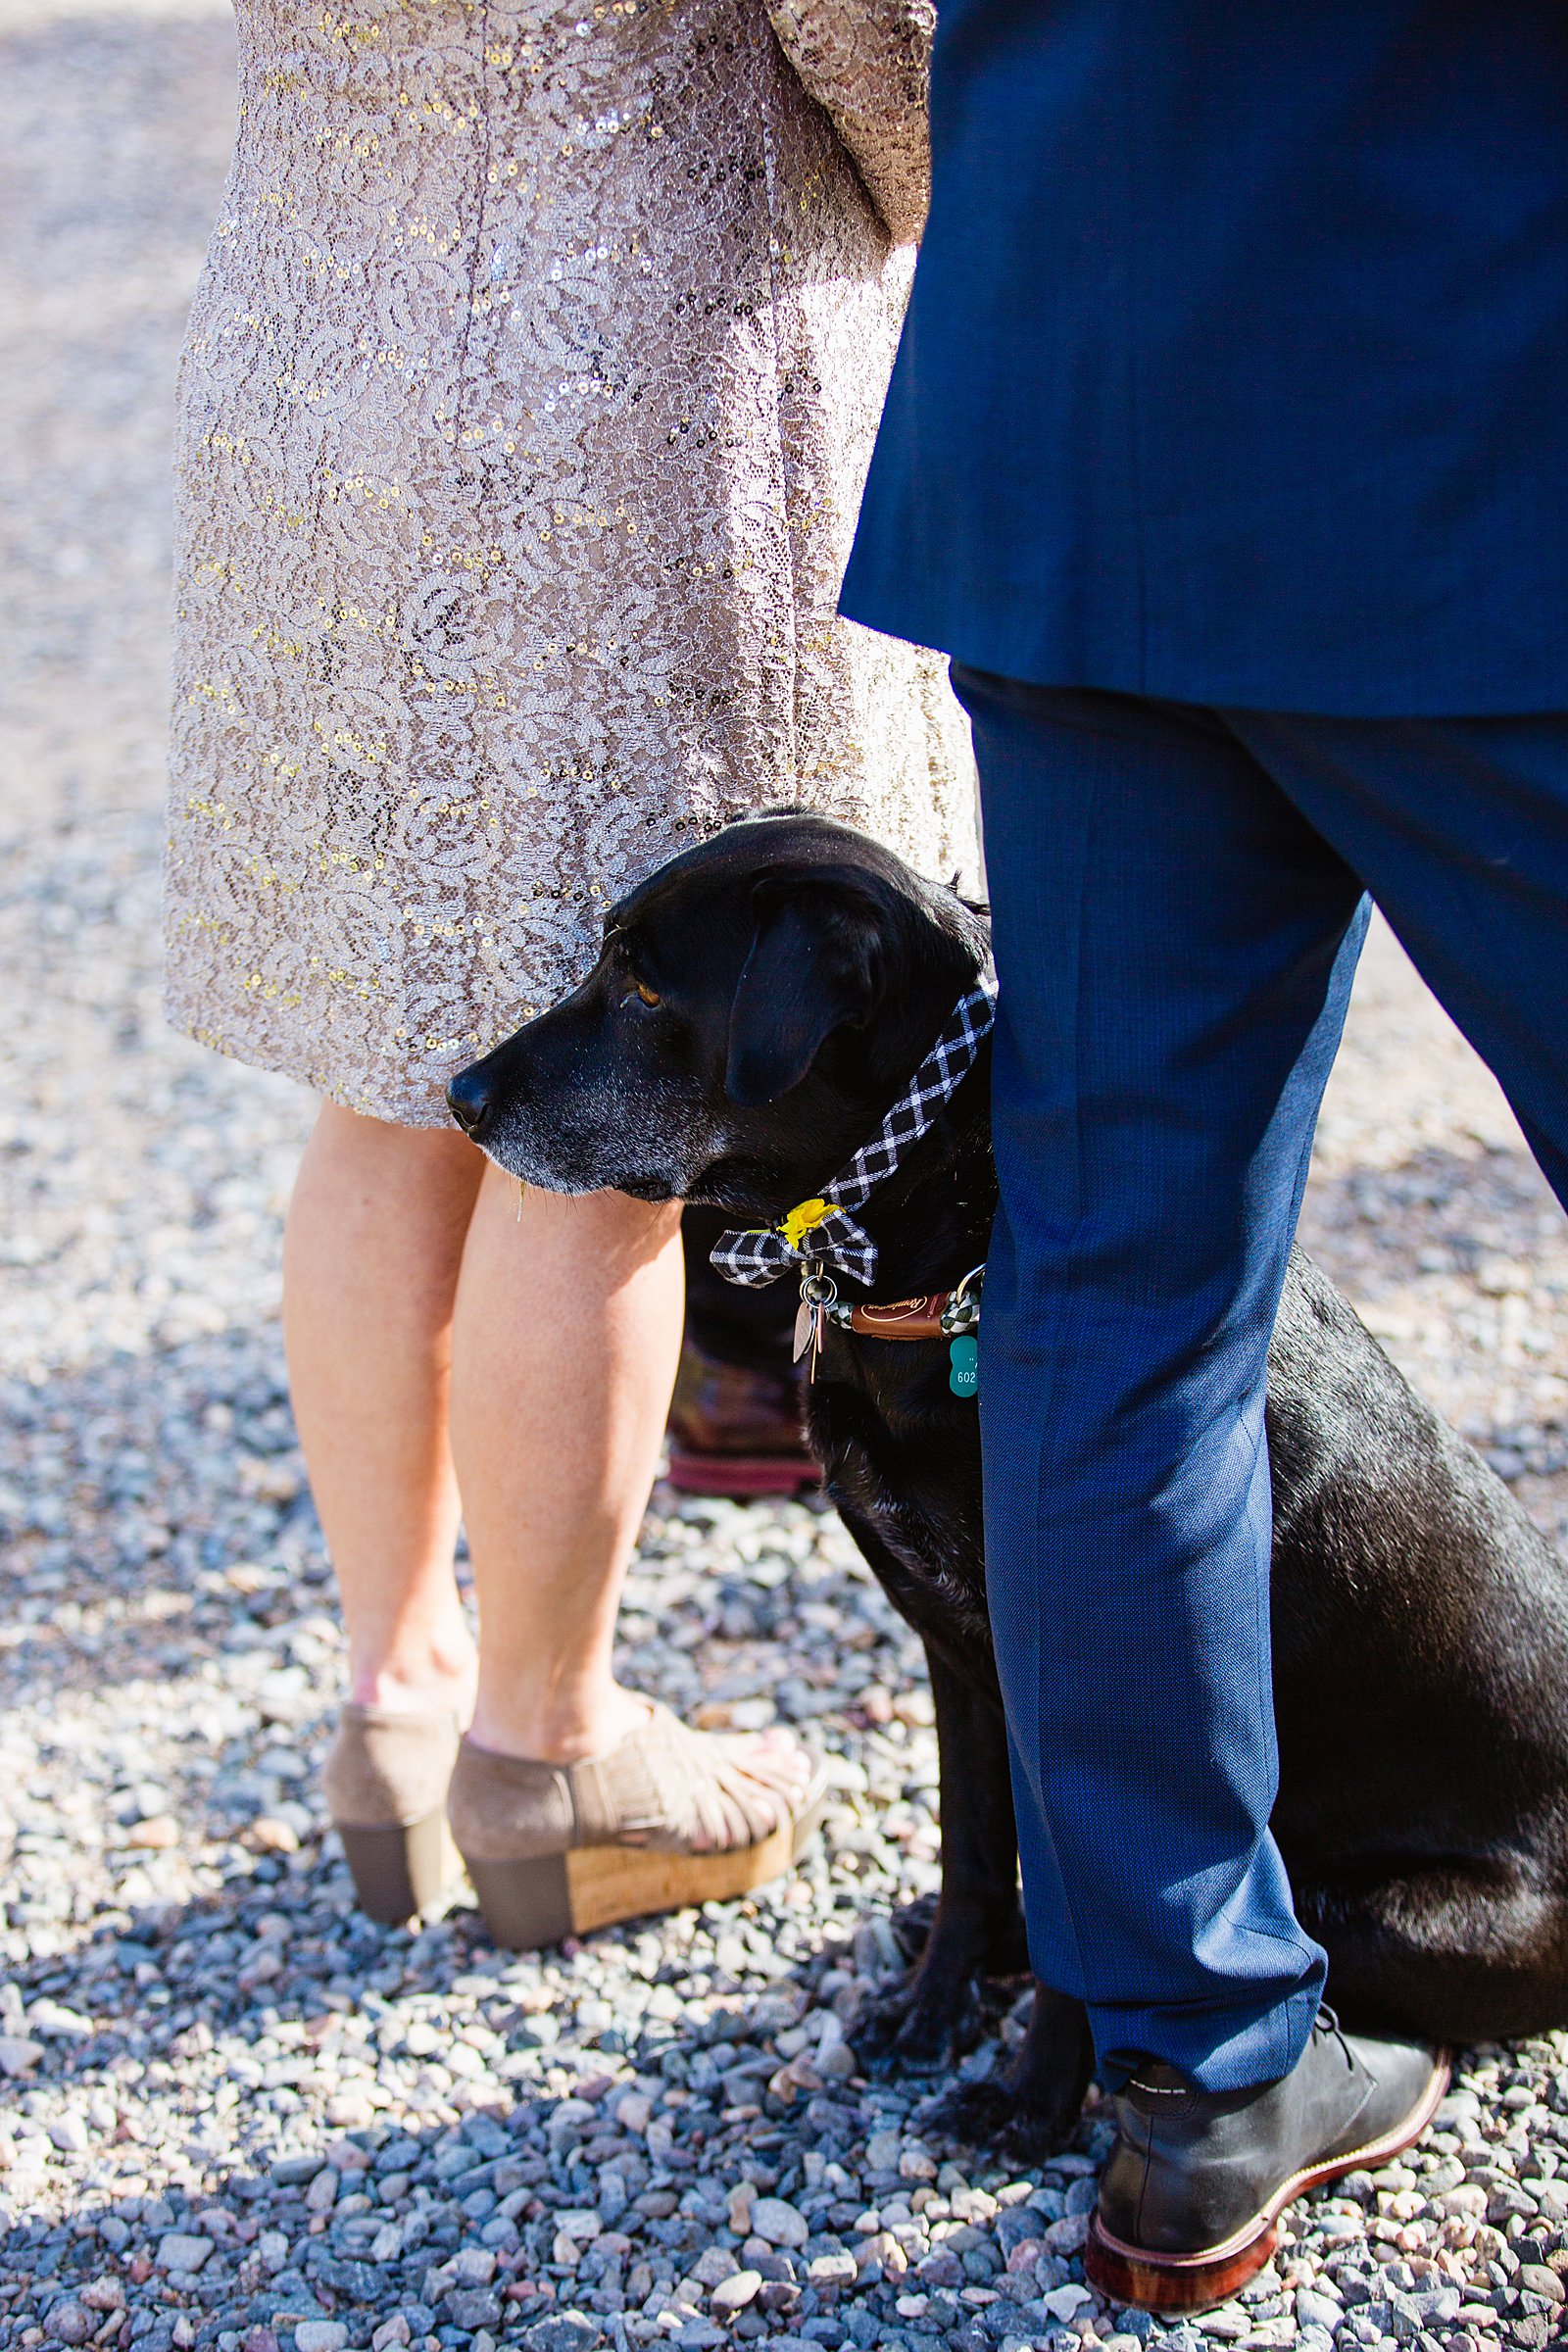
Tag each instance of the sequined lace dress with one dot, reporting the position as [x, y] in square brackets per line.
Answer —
[524, 409]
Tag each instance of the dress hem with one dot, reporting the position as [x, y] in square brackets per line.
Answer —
[366, 1103]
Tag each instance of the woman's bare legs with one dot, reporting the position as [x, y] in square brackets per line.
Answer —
[567, 1328]
[371, 1254]
[415, 1291]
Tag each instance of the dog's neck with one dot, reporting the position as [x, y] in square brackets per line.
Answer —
[931, 1218]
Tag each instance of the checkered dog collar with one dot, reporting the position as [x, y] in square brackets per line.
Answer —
[820, 1233]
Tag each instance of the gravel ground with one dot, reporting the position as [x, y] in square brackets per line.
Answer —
[230, 2111]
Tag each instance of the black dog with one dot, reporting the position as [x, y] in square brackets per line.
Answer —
[758, 1006]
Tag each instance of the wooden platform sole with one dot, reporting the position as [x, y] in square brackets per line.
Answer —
[1197, 2281]
[527, 1904]
[399, 1872]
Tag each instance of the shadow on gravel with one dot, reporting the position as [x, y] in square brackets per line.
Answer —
[155, 1515]
[1446, 1193]
[574, 2202]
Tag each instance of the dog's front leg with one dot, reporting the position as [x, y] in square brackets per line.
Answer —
[978, 1928]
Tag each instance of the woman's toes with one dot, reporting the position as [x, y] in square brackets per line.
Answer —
[781, 1768]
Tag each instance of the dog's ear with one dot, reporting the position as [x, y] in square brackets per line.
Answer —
[813, 964]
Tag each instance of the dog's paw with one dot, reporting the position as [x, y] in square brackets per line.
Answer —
[1030, 2109]
[997, 2114]
[912, 1923]
[919, 2026]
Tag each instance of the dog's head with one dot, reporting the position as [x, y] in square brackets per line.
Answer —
[758, 1003]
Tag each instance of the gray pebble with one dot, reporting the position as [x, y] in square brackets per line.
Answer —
[179, 2250]
[565, 2331]
[778, 2223]
[473, 2307]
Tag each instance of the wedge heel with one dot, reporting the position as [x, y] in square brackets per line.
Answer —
[385, 1782]
[400, 1872]
[536, 1902]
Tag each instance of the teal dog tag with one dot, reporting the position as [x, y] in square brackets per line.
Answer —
[964, 1353]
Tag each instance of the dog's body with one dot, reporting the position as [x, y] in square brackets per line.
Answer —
[759, 1004]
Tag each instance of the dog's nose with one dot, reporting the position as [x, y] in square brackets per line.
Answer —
[469, 1099]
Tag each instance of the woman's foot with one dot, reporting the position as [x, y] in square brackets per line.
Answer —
[429, 1666]
[663, 1818]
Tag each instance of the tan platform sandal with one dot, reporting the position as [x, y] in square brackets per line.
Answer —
[385, 1781]
[660, 1822]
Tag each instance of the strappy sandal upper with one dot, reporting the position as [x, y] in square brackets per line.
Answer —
[668, 1818]
[665, 1789]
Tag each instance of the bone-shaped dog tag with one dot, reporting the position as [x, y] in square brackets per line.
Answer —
[963, 1358]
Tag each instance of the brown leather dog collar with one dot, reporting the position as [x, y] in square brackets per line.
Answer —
[903, 1319]
[952, 1315]
[949, 1315]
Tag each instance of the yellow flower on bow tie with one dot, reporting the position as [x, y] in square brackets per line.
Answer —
[803, 1217]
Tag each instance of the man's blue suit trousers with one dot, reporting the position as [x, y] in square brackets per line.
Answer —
[1179, 897]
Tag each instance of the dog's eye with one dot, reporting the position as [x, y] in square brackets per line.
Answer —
[649, 996]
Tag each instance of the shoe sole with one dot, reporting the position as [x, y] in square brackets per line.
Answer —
[740, 1476]
[528, 1904]
[400, 1872]
[1196, 2282]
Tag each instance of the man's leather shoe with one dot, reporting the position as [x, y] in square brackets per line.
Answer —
[735, 1429]
[1192, 2189]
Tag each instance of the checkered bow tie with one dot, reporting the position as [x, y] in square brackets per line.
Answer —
[820, 1233]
